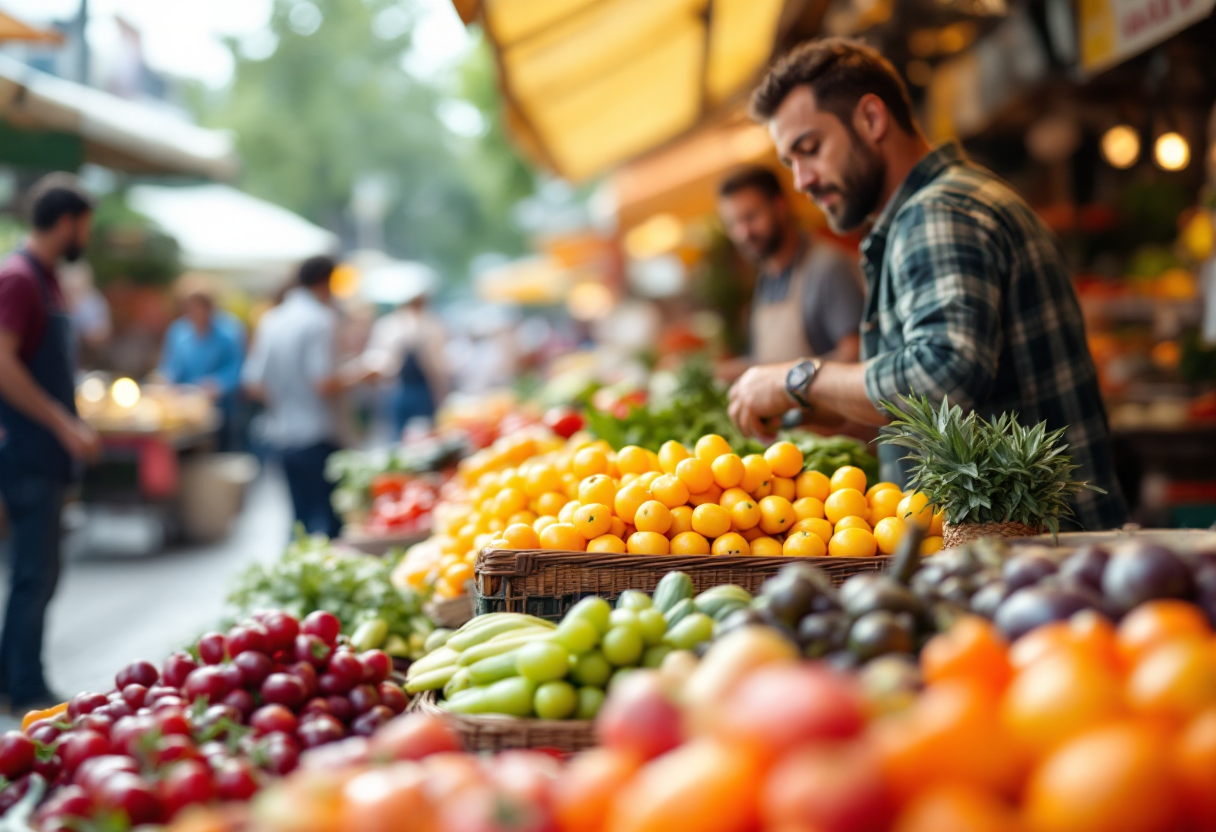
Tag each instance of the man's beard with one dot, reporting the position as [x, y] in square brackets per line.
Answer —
[769, 246]
[73, 252]
[860, 191]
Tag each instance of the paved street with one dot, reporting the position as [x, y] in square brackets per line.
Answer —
[112, 609]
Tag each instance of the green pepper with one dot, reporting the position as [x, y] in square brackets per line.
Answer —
[512, 697]
[397, 647]
[690, 631]
[369, 635]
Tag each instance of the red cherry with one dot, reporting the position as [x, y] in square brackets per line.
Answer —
[363, 698]
[250, 637]
[174, 748]
[187, 783]
[307, 674]
[241, 700]
[324, 625]
[283, 689]
[341, 708]
[367, 723]
[376, 663]
[212, 648]
[270, 719]
[281, 630]
[254, 667]
[177, 667]
[86, 703]
[348, 665]
[17, 753]
[132, 795]
[319, 730]
[392, 697]
[79, 745]
[235, 780]
[333, 684]
[209, 681]
[135, 695]
[311, 649]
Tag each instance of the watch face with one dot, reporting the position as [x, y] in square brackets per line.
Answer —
[795, 380]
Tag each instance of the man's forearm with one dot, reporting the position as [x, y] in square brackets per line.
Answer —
[20, 390]
[847, 349]
[841, 388]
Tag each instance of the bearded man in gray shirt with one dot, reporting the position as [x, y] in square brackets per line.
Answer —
[809, 295]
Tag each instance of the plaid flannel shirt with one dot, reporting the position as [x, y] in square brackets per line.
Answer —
[970, 297]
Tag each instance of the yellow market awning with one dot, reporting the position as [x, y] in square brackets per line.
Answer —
[681, 179]
[593, 83]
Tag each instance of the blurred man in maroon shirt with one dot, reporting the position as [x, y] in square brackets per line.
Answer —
[40, 434]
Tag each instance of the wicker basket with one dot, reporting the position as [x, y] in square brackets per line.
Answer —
[498, 733]
[548, 583]
[953, 535]
[451, 613]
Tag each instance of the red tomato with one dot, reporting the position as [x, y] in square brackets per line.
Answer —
[390, 483]
[563, 421]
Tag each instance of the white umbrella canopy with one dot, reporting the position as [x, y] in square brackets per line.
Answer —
[117, 133]
[383, 279]
[222, 229]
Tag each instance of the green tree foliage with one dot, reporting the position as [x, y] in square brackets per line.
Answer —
[128, 247]
[334, 104]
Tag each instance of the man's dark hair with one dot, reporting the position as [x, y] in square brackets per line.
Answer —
[755, 177]
[55, 196]
[316, 270]
[839, 72]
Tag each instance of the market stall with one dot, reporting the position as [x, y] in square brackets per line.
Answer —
[999, 684]
[157, 458]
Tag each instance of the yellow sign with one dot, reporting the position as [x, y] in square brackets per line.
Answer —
[1111, 31]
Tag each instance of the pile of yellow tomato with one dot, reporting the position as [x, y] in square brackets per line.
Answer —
[705, 500]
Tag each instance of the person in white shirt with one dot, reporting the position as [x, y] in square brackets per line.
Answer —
[292, 368]
[407, 348]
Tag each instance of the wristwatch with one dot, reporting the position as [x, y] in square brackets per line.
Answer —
[799, 379]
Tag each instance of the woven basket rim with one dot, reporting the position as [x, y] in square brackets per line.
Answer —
[518, 563]
[957, 534]
[1013, 525]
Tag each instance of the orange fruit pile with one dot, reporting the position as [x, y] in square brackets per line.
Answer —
[582, 495]
[1079, 726]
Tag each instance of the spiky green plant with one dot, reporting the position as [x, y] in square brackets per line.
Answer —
[982, 471]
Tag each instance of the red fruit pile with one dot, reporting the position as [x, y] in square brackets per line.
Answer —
[401, 508]
[193, 733]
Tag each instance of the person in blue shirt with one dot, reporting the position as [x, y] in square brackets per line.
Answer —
[206, 347]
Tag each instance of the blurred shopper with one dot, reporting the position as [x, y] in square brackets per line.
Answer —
[293, 369]
[407, 347]
[969, 293]
[809, 295]
[40, 434]
[206, 347]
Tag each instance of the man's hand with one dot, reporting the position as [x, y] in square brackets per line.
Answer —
[760, 396]
[78, 439]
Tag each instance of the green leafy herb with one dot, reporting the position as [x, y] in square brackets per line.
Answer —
[695, 407]
[983, 471]
[313, 575]
[827, 453]
[698, 406]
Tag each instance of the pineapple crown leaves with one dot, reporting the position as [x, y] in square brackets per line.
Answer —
[982, 471]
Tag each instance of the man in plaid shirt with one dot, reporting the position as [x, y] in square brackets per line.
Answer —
[969, 294]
